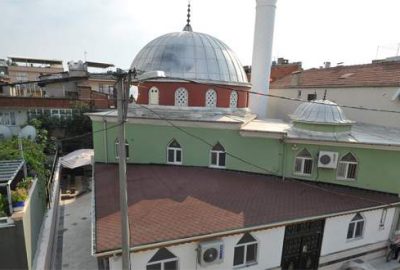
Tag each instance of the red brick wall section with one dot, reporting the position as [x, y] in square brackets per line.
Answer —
[32, 102]
[197, 93]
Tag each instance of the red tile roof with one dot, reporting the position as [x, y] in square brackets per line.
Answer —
[369, 75]
[172, 202]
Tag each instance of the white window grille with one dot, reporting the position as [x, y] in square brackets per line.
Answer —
[117, 149]
[347, 168]
[153, 96]
[245, 251]
[181, 97]
[356, 227]
[303, 163]
[7, 118]
[174, 153]
[233, 100]
[163, 260]
[211, 98]
[217, 156]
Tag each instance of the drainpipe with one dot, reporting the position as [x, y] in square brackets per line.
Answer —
[105, 138]
[262, 51]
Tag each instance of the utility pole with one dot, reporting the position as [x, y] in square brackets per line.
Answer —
[123, 197]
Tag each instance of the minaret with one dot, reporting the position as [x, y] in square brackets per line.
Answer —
[262, 51]
[188, 27]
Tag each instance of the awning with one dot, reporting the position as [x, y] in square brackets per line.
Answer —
[78, 158]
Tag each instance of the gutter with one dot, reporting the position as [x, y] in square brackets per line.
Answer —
[237, 231]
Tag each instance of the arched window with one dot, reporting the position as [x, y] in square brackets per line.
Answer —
[245, 251]
[356, 227]
[303, 163]
[233, 100]
[117, 151]
[163, 260]
[347, 168]
[181, 97]
[217, 156]
[174, 153]
[153, 96]
[211, 98]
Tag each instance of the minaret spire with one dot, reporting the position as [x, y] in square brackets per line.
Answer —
[188, 27]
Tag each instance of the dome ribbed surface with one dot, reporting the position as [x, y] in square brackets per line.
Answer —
[320, 111]
[193, 56]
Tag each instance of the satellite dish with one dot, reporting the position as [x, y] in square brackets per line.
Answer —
[5, 132]
[28, 132]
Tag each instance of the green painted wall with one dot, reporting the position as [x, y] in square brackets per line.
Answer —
[148, 144]
[377, 169]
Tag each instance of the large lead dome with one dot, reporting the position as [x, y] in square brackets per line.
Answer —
[191, 55]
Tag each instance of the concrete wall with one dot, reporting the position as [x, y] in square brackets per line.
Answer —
[270, 243]
[19, 242]
[12, 247]
[368, 97]
[148, 144]
[335, 236]
[334, 250]
[32, 219]
[377, 169]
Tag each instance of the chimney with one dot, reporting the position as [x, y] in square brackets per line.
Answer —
[262, 50]
[327, 64]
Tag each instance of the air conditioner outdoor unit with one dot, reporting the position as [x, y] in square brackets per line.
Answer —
[328, 159]
[210, 252]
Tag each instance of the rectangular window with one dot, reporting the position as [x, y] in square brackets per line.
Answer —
[383, 219]
[251, 253]
[171, 157]
[214, 158]
[221, 159]
[303, 166]
[311, 97]
[218, 159]
[171, 265]
[156, 266]
[359, 229]
[351, 171]
[238, 258]
[245, 254]
[350, 231]
[178, 156]
[307, 166]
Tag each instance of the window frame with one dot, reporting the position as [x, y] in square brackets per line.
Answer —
[245, 245]
[157, 95]
[218, 153]
[175, 150]
[163, 262]
[211, 94]
[186, 102]
[346, 170]
[303, 161]
[354, 229]
[235, 105]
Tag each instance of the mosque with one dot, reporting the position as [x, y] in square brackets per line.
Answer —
[213, 183]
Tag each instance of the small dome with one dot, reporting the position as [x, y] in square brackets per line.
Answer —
[192, 56]
[320, 112]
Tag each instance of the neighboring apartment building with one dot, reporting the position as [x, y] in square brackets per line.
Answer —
[50, 90]
[375, 86]
[210, 186]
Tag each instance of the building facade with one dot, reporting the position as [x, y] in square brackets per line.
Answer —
[210, 185]
[375, 86]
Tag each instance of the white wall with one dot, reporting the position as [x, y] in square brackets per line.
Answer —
[335, 234]
[368, 97]
[270, 243]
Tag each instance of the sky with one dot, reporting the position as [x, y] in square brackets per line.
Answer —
[310, 31]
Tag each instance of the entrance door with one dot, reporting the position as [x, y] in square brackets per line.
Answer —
[302, 245]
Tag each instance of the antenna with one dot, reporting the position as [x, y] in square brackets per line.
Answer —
[84, 55]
